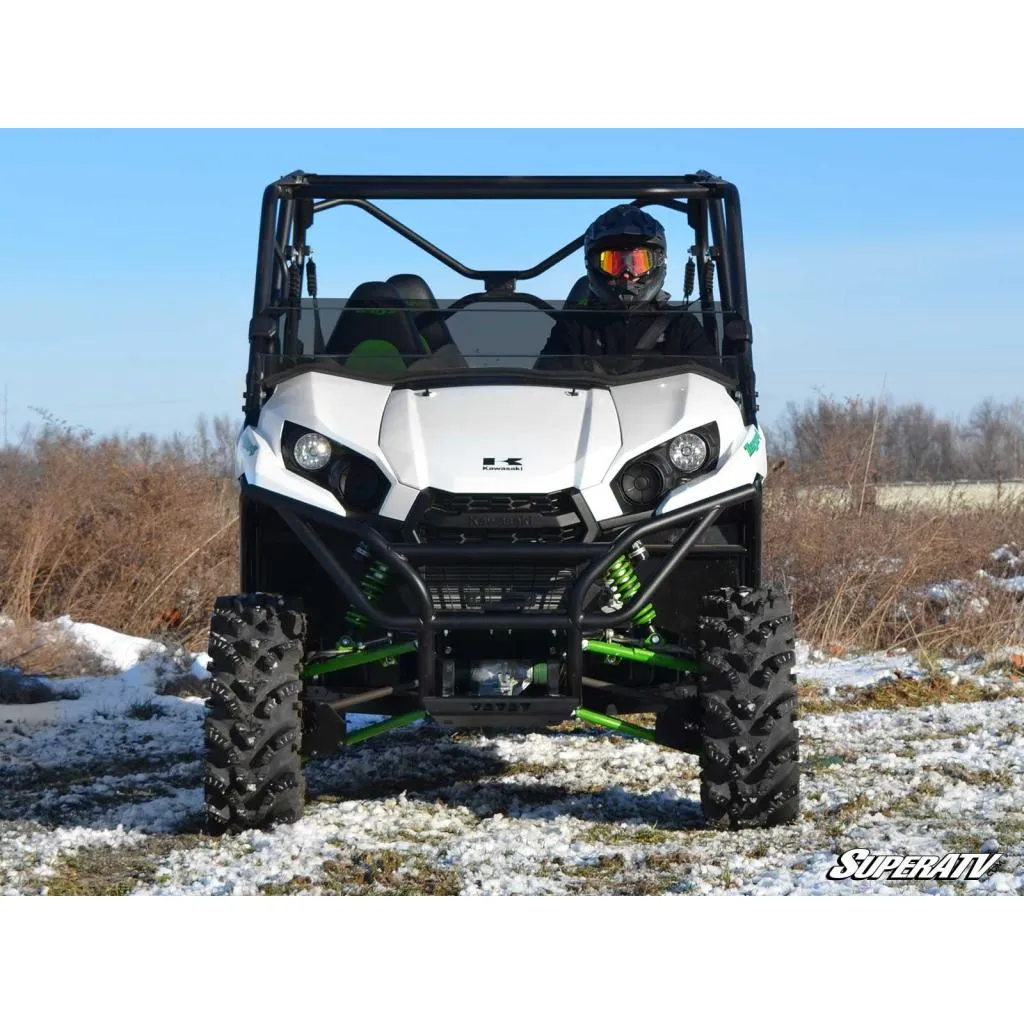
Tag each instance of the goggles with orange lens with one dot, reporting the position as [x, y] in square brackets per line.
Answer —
[635, 261]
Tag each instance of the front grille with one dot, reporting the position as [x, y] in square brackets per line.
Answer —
[499, 518]
[521, 588]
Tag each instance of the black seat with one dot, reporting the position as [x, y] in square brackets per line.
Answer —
[375, 324]
[416, 294]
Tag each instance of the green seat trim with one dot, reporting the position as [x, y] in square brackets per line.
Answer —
[375, 355]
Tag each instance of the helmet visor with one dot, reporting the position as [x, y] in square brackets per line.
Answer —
[634, 261]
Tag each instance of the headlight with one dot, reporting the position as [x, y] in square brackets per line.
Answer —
[642, 482]
[688, 452]
[359, 483]
[312, 451]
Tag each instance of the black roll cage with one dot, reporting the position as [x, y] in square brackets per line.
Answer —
[711, 204]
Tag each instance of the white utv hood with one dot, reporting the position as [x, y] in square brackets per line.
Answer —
[501, 439]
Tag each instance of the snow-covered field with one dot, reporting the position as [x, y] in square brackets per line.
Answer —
[102, 792]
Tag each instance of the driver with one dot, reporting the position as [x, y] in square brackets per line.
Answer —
[625, 255]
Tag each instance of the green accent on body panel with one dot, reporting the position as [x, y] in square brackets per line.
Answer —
[753, 444]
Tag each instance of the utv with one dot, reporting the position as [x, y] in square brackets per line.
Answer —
[434, 525]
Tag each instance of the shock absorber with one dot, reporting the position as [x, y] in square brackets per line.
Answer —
[709, 271]
[294, 283]
[373, 584]
[622, 580]
[690, 276]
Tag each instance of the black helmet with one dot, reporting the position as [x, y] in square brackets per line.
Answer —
[622, 228]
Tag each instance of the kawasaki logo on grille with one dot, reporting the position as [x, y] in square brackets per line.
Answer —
[506, 520]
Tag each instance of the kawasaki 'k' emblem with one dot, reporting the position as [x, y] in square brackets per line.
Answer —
[753, 444]
[505, 464]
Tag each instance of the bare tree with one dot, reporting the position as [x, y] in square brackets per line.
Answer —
[918, 445]
[993, 439]
[845, 442]
[835, 441]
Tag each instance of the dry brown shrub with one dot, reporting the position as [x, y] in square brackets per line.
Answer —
[122, 532]
[39, 649]
[859, 578]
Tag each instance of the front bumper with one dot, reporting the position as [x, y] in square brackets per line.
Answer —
[592, 561]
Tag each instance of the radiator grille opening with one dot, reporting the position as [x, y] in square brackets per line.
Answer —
[500, 518]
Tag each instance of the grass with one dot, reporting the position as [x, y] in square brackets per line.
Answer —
[980, 777]
[814, 764]
[372, 873]
[1010, 832]
[653, 872]
[143, 710]
[114, 870]
[845, 812]
[904, 692]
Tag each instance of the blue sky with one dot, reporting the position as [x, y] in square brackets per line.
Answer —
[875, 258]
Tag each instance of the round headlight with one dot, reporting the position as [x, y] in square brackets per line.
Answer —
[642, 483]
[360, 483]
[688, 452]
[312, 452]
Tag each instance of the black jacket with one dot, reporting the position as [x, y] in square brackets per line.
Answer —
[605, 341]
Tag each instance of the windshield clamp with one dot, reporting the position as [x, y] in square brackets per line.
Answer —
[500, 282]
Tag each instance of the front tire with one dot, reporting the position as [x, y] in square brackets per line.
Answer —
[750, 774]
[253, 728]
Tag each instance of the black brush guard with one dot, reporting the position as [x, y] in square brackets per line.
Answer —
[426, 620]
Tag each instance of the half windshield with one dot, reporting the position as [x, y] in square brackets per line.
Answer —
[520, 339]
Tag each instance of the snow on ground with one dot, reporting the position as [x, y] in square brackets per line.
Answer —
[103, 794]
[831, 674]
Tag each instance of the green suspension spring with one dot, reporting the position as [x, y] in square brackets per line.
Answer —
[373, 584]
[623, 582]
